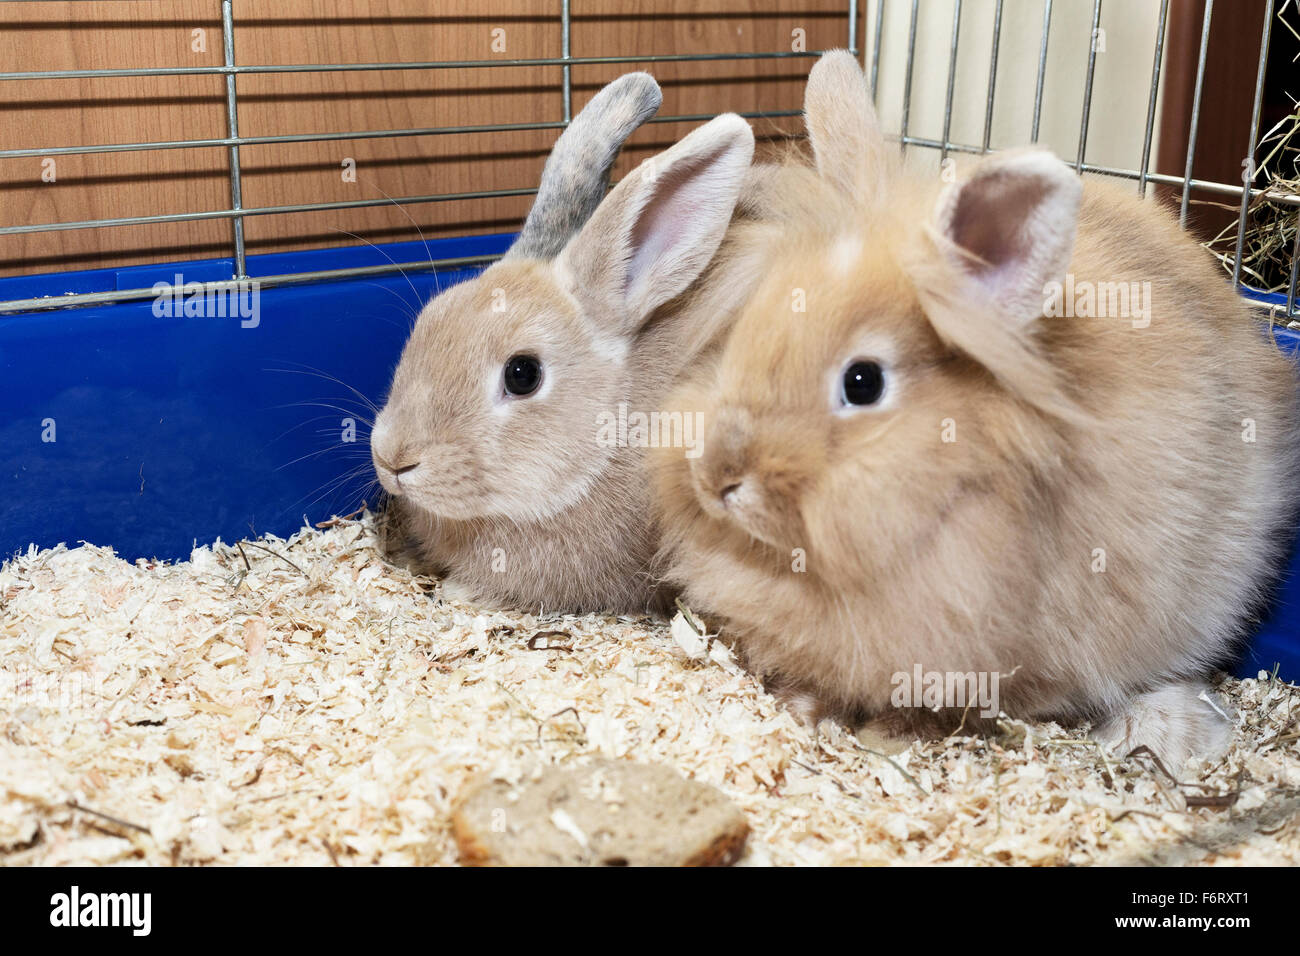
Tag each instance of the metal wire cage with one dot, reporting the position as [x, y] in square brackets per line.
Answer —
[1244, 193]
[172, 431]
[867, 20]
[238, 212]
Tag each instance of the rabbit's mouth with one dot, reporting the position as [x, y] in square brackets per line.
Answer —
[439, 479]
[745, 505]
[451, 485]
[439, 495]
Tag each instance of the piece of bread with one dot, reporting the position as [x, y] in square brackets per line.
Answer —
[608, 813]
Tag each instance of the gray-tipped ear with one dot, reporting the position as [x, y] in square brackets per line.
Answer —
[576, 176]
[842, 125]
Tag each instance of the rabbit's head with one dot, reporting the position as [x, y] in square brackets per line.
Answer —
[494, 408]
[891, 314]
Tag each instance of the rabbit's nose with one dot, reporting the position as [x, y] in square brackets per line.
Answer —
[390, 472]
[721, 471]
[393, 457]
[399, 464]
[738, 496]
[720, 491]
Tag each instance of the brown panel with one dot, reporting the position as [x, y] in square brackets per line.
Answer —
[620, 27]
[68, 112]
[114, 34]
[321, 31]
[1226, 99]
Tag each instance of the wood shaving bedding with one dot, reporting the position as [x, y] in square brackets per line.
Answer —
[301, 702]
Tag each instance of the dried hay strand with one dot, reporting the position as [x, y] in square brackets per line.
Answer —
[302, 702]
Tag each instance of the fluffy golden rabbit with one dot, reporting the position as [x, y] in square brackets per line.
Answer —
[919, 456]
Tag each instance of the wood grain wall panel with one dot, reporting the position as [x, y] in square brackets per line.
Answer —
[64, 35]
[620, 27]
[78, 112]
[357, 31]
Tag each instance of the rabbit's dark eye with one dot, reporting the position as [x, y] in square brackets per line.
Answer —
[864, 383]
[523, 374]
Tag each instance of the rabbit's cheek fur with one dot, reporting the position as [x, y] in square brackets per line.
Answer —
[445, 482]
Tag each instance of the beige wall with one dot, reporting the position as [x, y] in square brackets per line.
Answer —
[1121, 83]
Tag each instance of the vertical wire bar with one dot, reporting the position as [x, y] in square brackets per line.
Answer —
[993, 75]
[907, 84]
[232, 121]
[952, 80]
[1087, 86]
[1295, 274]
[1196, 114]
[1042, 70]
[1247, 180]
[566, 35]
[1151, 100]
[875, 49]
[853, 28]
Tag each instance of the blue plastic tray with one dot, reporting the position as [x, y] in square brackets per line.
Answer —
[171, 432]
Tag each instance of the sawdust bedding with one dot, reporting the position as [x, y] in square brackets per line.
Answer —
[302, 702]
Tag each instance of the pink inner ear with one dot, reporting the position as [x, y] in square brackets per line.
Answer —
[660, 226]
[991, 221]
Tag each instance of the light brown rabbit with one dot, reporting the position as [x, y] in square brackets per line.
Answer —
[912, 462]
[494, 440]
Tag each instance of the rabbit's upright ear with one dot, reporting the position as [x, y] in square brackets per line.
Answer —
[1007, 230]
[576, 176]
[659, 228]
[998, 239]
[847, 143]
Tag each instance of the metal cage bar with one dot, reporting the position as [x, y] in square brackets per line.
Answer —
[232, 124]
[993, 75]
[952, 78]
[875, 50]
[1248, 175]
[1295, 276]
[907, 83]
[1087, 86]
[238, 213]
[566, 37]
[412, 65]
[1042, 70]
[264, 140]
[1161, 26]
[1195, 121]
[293, 278]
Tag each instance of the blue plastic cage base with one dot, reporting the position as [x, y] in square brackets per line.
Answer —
[171, 432]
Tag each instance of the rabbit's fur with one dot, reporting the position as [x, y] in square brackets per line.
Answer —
[1099, 531]
[516, 499]
[574, 181]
